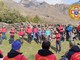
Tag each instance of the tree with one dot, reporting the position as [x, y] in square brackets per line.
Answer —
[36, 19]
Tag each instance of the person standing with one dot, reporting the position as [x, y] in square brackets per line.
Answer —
[45, 53]
[21, 34]
[61, 30]
[47, 34]
[35, 30]
[4, 32]
[78, 31]
[69, 30]
[58, 42]
[39, 35]
[0, 36]
[12, 32]
[29, 33]
[14, 53]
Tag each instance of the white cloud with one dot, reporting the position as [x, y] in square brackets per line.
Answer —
[17, 1]
[48, 1]
[53, 1]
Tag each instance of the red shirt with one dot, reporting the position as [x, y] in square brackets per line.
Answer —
[58, 36]
[0, 32]
[35, 30]
[29, 30]
[12, 32]
[79, 28]
[61, 29]
[75, 56]
[49, 57]
[18, 57]
[21, 33]
[0, 52]
[3, 30]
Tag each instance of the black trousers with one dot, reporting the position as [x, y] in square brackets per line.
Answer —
[11, 39]
[29, 38]
[58, 46]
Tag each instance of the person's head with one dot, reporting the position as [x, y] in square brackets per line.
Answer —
[46, 45]
[71, 44]
[21, 29]
[3, 26]
[16, 45]
[12, 27]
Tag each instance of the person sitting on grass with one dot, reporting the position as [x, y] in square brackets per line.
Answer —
[14, 53]
[45, 53]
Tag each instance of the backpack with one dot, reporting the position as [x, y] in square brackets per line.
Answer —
[75, 56]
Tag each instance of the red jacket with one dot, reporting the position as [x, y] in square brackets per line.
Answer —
[21, 33]
[0, 52]
[12, 32]
[79, 28]
[75, 56]
[0, 32]
[58, 36]
[49, 57]
[1, 55]
[61, 29]
[3, 30]
[29, 30]
[18, 57]
[35, 30]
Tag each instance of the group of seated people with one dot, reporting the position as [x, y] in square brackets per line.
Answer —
[43, 54]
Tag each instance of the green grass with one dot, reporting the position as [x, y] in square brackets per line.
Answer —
[29, 50]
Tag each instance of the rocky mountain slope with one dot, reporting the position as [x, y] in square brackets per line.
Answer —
[52, 13]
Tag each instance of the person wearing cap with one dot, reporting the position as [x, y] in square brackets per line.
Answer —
[4, 32]
[15, 52]
[74, 52]
[45, 53]
[1, 55]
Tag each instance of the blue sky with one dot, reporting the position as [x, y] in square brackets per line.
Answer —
[56, 1]
[70, 1]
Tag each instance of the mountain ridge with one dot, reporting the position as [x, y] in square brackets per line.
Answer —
[57, 13]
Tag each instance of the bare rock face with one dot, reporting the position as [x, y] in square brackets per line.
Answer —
[52, 13]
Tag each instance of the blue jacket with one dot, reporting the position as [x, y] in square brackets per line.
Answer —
[73, 50]
[39, 32]
[69, 28]
[48, 32]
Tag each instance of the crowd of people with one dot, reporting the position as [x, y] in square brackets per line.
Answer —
[43, 34]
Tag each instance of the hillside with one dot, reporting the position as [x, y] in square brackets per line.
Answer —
[57, 13]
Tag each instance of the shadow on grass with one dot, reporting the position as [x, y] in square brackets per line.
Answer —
[52, 47]
[36, 41]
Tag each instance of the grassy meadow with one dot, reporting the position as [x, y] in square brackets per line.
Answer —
[29, 50]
